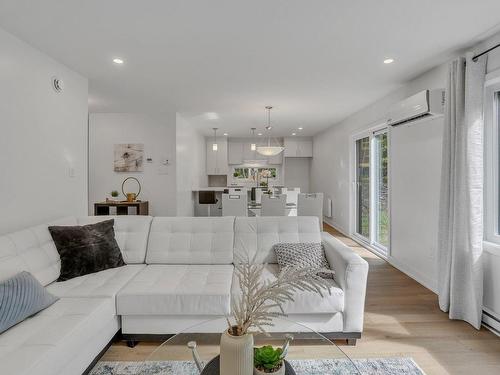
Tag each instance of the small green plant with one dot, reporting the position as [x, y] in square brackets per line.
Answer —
[115, 193]
[268, 359]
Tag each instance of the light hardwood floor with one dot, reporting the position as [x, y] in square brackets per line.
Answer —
[402, 319]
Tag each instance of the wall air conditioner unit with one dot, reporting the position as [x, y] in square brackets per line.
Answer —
[427, 103]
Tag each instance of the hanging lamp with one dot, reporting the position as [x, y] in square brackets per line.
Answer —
[269, 150]
[214, 145]
[253, 146]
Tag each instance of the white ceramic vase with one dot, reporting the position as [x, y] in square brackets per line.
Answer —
[281, 371]
[236, 354]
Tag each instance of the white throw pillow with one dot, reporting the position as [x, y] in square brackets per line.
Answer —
[302, 255]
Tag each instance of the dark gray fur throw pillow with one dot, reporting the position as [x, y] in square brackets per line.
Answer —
[86, 249]
[303, 255]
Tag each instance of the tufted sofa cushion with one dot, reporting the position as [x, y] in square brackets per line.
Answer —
[191, 240]
[178, 289]
[259, 234]
[44, 343]
[32, 250]
[105, 283]
[131, 233]
[304, 302]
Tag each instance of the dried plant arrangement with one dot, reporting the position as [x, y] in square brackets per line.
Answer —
[262, 300]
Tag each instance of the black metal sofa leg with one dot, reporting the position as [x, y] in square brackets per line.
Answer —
[132, 343]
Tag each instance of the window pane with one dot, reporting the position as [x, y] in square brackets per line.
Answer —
[497, 125]
[363, 186]
[381, 189]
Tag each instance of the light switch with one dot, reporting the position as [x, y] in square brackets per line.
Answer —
[71, 172]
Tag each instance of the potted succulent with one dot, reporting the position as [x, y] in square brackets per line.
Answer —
[259, 302]
[268, 360]
[114, 195]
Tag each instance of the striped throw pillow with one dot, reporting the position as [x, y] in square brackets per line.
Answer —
[20, 297]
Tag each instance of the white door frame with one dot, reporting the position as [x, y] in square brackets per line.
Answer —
[370, 132]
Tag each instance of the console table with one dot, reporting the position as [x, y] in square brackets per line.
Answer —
[102, 208]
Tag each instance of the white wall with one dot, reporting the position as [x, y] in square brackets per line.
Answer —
[191, 165]
[43, 134]
[331, 167]
[297, 173]
[157, 133]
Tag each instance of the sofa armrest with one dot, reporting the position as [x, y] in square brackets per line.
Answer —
[351, 272]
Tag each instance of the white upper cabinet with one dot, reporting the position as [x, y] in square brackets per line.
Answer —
[240, 152]
[298, 147]
[217, 161]
[248, 153]
[275, 160]
[235, 152]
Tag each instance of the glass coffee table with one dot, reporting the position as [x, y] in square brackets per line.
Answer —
[309, 352]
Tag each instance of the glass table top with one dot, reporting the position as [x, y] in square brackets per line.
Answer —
[309, 353]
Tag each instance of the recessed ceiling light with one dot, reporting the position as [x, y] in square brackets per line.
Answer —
[301, 128]
[259, 133]
[294, 133]
[388, 61]
[118, 61]
[226, 134]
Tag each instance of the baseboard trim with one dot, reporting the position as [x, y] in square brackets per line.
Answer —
[337, 228]
[405, 268]
[408, 270]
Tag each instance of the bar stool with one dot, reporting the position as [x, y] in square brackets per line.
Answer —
[208, 198]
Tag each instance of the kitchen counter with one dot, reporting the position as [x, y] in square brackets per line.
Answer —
[214, 188]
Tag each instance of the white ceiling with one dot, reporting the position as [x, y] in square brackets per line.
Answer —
[315, 61]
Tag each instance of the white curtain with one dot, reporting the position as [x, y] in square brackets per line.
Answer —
[460, 277]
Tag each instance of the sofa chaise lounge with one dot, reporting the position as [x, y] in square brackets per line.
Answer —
[179, 272]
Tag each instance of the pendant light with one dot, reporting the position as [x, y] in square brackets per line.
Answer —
[269, 150]
[214, 145]
[253, 146]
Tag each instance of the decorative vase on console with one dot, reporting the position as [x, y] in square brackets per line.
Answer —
[259, 302]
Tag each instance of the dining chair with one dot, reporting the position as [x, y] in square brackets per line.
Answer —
[311, 205]
[291, 194]
[273, 205]
[258, 195]
[234, 205]
[207, 198]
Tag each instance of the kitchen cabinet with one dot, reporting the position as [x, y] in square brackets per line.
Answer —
[275, 160]
[217, 161]
[235, 152]
[249, 154]
[239, 152]
[298, 147]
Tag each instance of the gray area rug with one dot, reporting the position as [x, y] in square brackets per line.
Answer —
[371, 366]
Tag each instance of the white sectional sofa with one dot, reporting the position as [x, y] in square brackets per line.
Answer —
[179, 272]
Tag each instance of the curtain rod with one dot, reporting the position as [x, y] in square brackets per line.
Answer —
[485, 52]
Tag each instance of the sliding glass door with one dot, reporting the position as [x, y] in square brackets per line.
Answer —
[381, 187]
[363, 187]
[372, 189]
